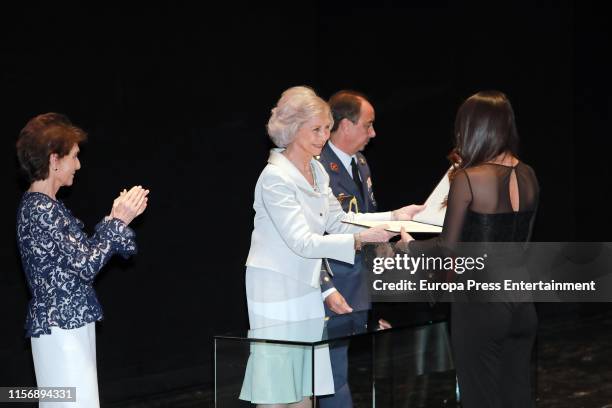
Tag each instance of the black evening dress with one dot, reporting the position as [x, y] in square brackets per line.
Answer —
[491, 342]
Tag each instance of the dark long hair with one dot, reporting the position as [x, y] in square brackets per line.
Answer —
[484, 128]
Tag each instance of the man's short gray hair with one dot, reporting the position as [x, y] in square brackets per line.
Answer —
[296, 106]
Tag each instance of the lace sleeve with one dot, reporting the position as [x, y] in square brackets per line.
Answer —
[60, 236]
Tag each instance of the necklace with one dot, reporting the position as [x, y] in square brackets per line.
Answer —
[315, 185]
[307, 171]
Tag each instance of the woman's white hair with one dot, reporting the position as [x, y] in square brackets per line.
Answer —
[296, 106]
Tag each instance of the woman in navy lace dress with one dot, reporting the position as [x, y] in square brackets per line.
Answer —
[60, 261]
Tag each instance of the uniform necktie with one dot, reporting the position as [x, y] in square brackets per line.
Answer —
[356, 177]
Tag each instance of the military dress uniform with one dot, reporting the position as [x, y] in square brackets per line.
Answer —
[350, 280]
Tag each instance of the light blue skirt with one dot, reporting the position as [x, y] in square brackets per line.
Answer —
[279, 373]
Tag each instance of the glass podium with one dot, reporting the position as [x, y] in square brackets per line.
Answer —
[409, 364]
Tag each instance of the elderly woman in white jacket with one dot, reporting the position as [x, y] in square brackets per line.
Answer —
[294, 209]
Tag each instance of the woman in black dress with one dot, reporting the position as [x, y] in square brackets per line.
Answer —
[493, 198]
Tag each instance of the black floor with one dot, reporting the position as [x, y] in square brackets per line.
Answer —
[572, 368]
[574, 360]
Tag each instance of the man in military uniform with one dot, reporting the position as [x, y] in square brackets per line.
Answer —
[351, 183]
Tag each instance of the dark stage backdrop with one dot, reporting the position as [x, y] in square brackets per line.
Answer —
[176, 99]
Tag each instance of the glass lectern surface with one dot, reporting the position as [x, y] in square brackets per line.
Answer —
[348, 355]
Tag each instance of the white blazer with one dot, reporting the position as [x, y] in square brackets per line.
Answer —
[291, 218]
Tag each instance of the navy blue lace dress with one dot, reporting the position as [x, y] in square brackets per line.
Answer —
[60, 262]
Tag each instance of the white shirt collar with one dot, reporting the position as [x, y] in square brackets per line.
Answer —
[344, 158]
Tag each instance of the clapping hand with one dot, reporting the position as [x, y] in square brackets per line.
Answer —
[408, 212]
[130, 204]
